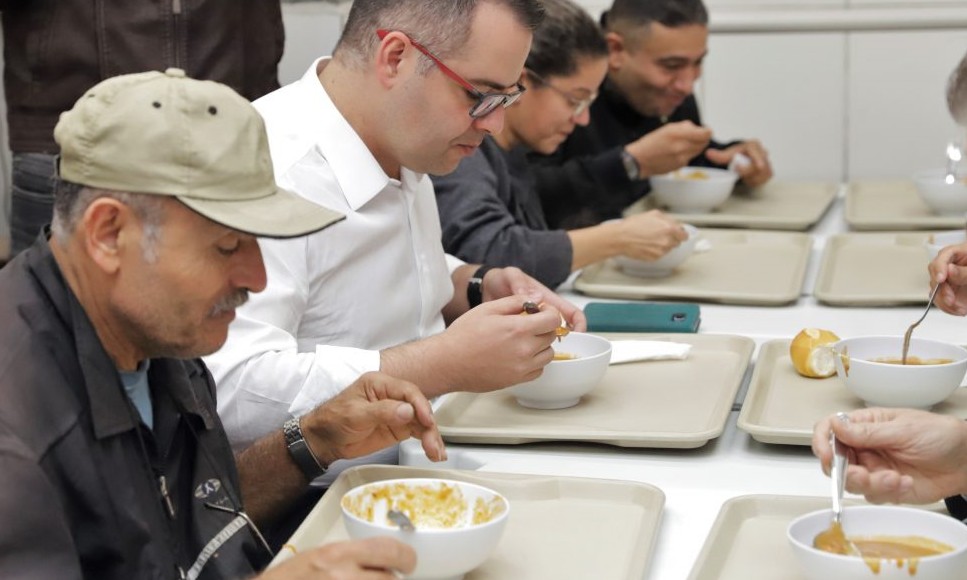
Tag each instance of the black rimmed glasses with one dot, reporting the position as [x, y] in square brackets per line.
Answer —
[579, 104]
[486, 102]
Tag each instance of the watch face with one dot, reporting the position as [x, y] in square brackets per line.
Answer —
[631, 165]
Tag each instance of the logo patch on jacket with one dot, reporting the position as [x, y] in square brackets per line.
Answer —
[208, 487]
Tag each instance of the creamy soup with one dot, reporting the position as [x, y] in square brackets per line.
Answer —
[904, 551]
[912, 360]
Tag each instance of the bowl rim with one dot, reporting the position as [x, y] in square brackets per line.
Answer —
[958, 361]
[827, 512]
[715, 174]
[499, 519]
[590, 357]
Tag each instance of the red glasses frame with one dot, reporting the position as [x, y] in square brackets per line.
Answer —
[485, 102]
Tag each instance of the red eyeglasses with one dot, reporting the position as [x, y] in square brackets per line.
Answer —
[485, 102]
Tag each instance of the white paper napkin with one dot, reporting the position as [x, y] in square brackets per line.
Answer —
[623, 351]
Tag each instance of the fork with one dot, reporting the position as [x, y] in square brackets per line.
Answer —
[909, 332]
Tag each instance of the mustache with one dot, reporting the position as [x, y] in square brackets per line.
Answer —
[230, 302]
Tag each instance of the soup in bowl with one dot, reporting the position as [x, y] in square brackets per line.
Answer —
[580, 361]
[870, 368]
[896, 542]
[457, 524]
[693, 189]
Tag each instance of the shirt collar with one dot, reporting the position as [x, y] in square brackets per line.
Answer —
[359, 175]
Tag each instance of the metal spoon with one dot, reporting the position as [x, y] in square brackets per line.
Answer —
[834, 539]
[401, 520]
[909, 332]
[954, 155]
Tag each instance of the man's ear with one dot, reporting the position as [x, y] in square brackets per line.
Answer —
[617, 52]
[390, 57]
[106, 228]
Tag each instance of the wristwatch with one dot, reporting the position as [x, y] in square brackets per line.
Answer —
[631, 165]
[475, 286]
[299, 450]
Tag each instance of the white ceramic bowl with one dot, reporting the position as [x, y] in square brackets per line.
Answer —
[880, 520]
[564, 382]
[891, 385]
[664, 265]
[940, 240]
[943, 198]
[693, 189]
[444, 549]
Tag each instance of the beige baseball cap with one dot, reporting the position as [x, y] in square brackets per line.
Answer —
[199, 141]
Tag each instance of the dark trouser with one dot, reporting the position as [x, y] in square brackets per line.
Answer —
[32, 199]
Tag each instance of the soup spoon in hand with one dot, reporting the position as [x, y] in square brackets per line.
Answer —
[909, 332]
[834, 539]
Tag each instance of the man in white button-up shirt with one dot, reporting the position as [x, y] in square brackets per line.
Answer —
[376, 292]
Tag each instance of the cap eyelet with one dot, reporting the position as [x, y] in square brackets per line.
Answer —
[212, 110]
[156, 105]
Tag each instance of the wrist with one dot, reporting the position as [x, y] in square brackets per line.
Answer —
[302, 453]
[475, 286]
[631, 165]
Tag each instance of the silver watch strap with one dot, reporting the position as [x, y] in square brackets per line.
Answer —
[300, 451]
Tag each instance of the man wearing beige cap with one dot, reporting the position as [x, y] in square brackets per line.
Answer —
[115, 464]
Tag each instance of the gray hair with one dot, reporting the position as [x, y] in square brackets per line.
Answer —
[957, 93]
[443, 26]
[626, 16]
[567, 35]
[71, 200]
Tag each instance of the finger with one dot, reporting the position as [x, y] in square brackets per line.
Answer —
[757, 154]
[433, 445]
[820, 444]
[719, 156]
[956, 275]
[888, 486]
[383, 553]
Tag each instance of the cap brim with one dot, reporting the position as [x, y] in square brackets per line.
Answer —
[282, 214]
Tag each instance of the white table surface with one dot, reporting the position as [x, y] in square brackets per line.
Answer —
[696, 482]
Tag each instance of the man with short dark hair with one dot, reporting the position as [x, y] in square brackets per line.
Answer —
[646, 120]
[412, 88]
[115, 464]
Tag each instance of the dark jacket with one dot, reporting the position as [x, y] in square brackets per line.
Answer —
[491, 215]
[80, 490]
[584, 182]
[54, 50]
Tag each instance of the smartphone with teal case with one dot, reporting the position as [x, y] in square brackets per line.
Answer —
[642, 316]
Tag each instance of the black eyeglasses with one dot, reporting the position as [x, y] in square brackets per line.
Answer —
[486, 102]
[578, 104]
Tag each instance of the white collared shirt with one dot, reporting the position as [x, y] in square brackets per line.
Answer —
[334, 298]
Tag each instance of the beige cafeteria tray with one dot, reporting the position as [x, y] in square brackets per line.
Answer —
[742, 267]
[782, 406]
[778, 205]
[748, 539]
[874, 269]
[892, 205]
[554, 529]
[675, 404]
